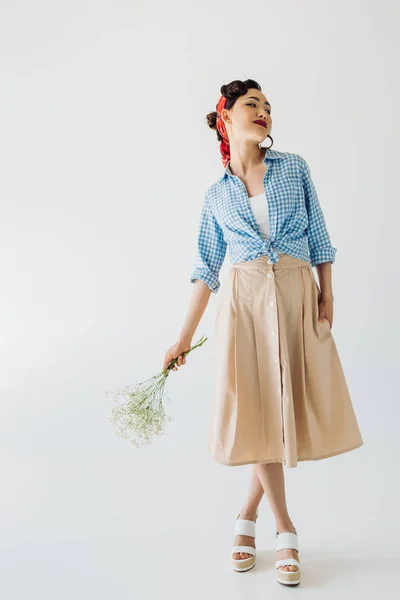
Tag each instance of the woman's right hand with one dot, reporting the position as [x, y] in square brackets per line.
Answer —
[176, 351]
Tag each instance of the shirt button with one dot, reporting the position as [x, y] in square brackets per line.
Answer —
[273, 332]
[269, 262]
[271, 304]
[276, 360]
[269, 275]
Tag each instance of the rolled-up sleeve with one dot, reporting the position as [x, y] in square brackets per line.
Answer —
[319, 243]
[211, 248]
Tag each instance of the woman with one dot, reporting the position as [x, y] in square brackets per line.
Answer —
[280, 393]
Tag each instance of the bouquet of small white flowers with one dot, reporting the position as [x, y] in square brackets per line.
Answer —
[139, 412]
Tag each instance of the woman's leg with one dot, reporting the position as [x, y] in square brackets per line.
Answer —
[248, 511]
[273, 483]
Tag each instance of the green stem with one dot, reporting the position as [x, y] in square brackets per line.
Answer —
[175, 360]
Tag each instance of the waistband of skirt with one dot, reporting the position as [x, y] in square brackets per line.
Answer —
[285, 261]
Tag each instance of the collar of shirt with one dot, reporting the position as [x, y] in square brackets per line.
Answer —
[269, 155]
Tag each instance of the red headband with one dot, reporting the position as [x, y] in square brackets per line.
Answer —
[224, 145]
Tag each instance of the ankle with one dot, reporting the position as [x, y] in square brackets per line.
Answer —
[283, 526]
[248, 512]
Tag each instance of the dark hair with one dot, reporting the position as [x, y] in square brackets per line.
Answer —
[232, 91]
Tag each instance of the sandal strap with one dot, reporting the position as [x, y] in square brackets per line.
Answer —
[287, 561]
[248, 549]
[287, 539]
[245, 527]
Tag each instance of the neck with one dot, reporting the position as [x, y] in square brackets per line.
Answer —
[245, 158]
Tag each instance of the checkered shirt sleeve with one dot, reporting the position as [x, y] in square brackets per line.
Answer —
[321, 249]
[211, 248]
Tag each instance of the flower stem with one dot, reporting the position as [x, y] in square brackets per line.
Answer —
[175, 360]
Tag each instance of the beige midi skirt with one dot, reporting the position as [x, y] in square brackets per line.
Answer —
[280, 393]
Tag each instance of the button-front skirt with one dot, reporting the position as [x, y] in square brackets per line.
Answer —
[280, 391]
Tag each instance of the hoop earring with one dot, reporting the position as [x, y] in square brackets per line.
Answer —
[266, 147]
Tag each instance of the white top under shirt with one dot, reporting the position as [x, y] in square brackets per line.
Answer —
[259, 205]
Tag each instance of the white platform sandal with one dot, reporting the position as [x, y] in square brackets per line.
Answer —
[244, 527]
[287, 539]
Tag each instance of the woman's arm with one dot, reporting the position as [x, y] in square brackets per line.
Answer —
[211, 251]
[198, 304]
[324, 271]
[322, 252]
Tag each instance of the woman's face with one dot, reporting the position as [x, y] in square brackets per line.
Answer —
[240, 119]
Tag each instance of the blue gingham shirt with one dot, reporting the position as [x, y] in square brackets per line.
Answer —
[297, 224]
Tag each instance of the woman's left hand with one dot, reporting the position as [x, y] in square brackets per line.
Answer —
[325, 307]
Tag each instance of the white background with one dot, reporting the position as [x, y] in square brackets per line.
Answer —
[105, 156]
